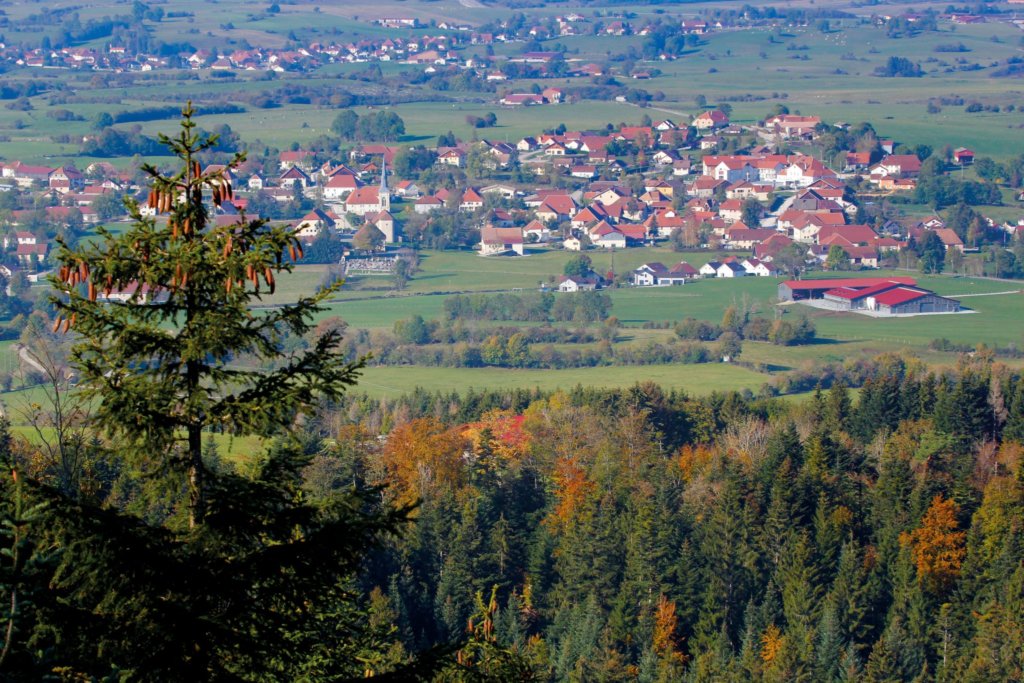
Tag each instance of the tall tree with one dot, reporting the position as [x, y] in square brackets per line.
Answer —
[158, 364]
[252, 581]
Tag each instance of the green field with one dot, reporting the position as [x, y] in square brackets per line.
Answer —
[998, 318]
[694, 379]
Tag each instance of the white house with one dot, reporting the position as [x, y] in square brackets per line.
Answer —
[427, 203]
[495, 241]
[758, 268]
[731, 269]
[339, 186]
[537, 231]
[657, 275]
[577, 284]
[710, 269]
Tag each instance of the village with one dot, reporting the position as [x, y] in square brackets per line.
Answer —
[434, 44]
[767, 212]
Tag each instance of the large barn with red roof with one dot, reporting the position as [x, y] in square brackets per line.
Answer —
[871, 295]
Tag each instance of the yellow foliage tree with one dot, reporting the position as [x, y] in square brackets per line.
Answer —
[572, 488]
[665, 624]
[422, 456]
[772, 642]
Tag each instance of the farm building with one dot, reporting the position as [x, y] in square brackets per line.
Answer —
[796, 290]
[875, 296]
[906, 300]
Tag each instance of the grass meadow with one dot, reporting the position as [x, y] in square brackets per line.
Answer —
[998, 317]
[694, 379]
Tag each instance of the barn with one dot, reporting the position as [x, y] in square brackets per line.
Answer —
[908, 300]
[796, 290]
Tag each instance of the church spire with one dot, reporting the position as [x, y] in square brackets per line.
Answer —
[383, 193]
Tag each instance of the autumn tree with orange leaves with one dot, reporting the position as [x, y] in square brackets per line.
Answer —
[422, 456]
[937, 546]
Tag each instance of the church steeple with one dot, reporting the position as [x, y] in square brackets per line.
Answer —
[383, 193]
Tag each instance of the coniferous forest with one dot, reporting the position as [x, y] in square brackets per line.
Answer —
[582, 535]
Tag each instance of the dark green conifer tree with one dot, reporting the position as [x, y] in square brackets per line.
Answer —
[241, 578]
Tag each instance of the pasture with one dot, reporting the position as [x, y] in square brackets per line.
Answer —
[998, 317]
[694, 379]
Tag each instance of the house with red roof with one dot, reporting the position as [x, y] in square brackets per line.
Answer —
[731, 210]
[501, 241]
[854, 234]
[790, 126]
[301, 158]
[26, 175]
[471, 200]
[452, 157]
[31, 254]
[889, 298]
[897, 165]
[309, 226]
[856, 161]
[294, 176]
[537, 231]
[552, 95]
[556, 207]
[589, 215]
[950, 239]
[913, 301]
[740, 236]
[364, 200]
[427, 203]
[340, 185]
[710, 120]
[769, 248]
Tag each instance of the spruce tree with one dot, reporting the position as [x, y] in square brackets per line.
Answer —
[259, 584]
[159, 364]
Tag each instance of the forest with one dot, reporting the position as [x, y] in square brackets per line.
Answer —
[635, 534]
[639, 535]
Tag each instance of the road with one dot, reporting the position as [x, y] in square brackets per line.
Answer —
[661, 109]
[29, 360]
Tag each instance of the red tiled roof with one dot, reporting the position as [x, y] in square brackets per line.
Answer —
[859, 292]
[852, 282]
[900, 295]
[493, 235]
